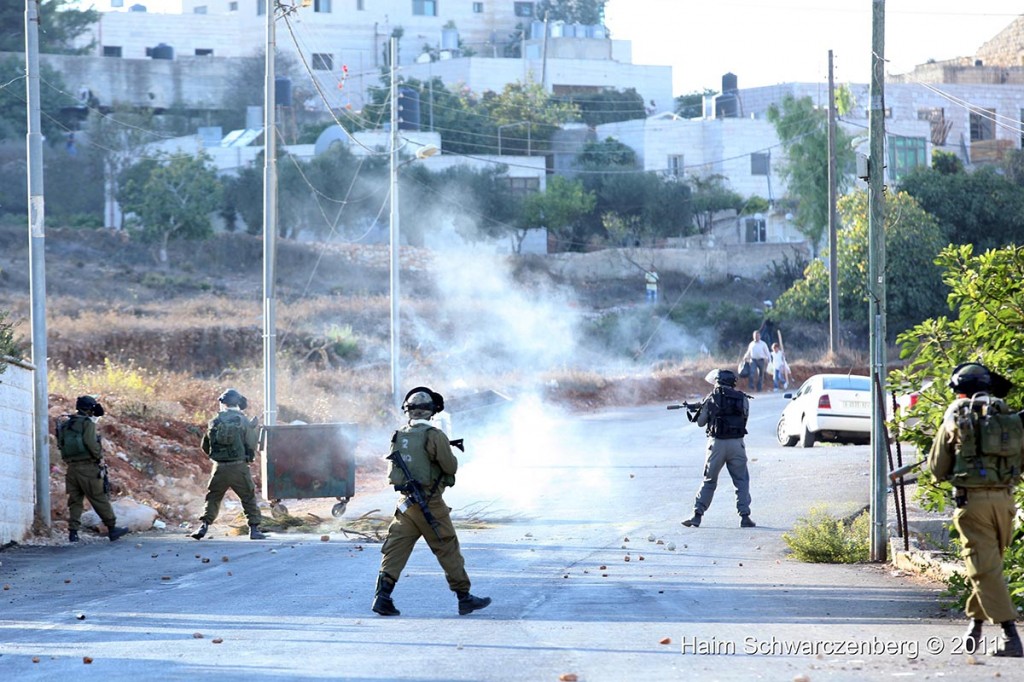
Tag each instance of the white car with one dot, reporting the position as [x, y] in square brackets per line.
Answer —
[828, 407]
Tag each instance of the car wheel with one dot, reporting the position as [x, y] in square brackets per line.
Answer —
[786, 440]
[807, 439]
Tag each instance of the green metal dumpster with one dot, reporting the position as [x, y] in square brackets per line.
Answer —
[304, 461]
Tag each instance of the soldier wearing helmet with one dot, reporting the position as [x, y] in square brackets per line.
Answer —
[230, 441]
[427, 454]
[979, 448]
[85, 477]
[723, 413]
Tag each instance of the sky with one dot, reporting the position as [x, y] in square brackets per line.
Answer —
[764, 42]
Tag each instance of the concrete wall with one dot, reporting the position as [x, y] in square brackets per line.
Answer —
[17, 467]
[719, 262]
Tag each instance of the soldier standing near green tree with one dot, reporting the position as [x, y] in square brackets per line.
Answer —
[979, 448]
[424, 451]
[86, 475]
[230, 441]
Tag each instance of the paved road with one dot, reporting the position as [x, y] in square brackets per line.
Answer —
[569, 499]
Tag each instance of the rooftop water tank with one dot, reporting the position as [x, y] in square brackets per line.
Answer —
[536, 29]
[161, 51]
[449, 39]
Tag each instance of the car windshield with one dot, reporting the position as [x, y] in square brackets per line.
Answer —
[847, 383]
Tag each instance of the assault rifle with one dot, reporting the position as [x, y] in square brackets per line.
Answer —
[689, 407]
[897, 474]
[413, 489]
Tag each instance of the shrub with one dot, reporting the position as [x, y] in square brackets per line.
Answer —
[8, 346]
[824, 539]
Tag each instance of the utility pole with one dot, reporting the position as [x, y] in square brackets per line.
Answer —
[37, 267]
[876, 281]
[270, 224]
[394, 234]
[833, 239]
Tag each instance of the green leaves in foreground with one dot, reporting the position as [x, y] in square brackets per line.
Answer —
[821, 538]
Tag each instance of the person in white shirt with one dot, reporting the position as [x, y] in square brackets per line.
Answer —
[780, 368]
[758, 354]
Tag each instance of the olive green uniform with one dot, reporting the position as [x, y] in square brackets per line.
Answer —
[231, 472]
[434, 466]
[84, 479]
[984, 519]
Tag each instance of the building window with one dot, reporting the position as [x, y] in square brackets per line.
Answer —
[232, 6]
[199, 9]
[755, 229]
[204, 52]
[760, 163]
[323, 6]
[675, 165]
[524, 9]
[906, 154]
[424, 8]
[940, 127]
[478, 8]
[983, 125]
[111, 51]
[523, 186]
[322, 62]
[261, 7]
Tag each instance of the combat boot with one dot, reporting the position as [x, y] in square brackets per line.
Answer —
[201, 533]
[747, 522]
[1010, 646]
[116, 532]
[692, 523]
[72, 536]
[255, 534]
[468, 603]
[973, 636]
[382, 603]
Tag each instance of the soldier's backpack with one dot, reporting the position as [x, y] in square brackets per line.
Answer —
[989, 445]
[227, 437]
[729, 420]
[70, 430]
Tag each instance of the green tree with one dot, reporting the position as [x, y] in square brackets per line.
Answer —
[607, 106]
[171, 197]
[560, 208]
[606, 154]
[9, 347]
[572, 11]
[529, 113]
[912, 241]
[53, 101]
[983, 208]
[121, 135]
[803, 130]
[691, 105]
[60, 23]
[711, 195]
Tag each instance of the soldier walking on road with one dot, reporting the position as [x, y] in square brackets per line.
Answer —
[86, 476]
[724, 414]
[425, 453]
[230, 441]
[979, 448]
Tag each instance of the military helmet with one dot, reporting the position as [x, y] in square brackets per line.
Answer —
[89, 405]
[233, 398]
[969, 378]
[422, 403]
[723, 377]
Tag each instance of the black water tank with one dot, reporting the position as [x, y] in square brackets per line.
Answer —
[161, 51]
[729, 83]
[408, 108]
[283, 91]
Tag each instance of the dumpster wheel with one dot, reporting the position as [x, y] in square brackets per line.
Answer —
[339, 509]
[277, 509]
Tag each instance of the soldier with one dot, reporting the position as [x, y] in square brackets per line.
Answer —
[724, 414]
[230, 441]
[427, 456]
[978, 448]
[86, 476]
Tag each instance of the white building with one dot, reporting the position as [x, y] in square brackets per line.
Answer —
[343, 44]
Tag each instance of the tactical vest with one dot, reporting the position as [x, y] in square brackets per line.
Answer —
[71, 438]
[728, 419]
[227, 437]
[410, 442]
[989, 439]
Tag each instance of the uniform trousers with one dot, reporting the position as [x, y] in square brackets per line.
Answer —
[985, 525]
[231, 476]
[84, 480]
[410, 525]
[731, 454]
